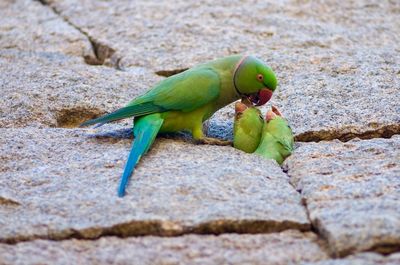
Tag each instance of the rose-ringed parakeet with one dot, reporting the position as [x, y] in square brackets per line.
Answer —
[277, 138]
[247, 127]
[184, 101]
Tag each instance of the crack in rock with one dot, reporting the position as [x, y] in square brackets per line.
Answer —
[104, 54]
[168, 73]
[277, 248]
[9, 202]
[346, 134]
[169, 197]
[313, 228]
[248, 227]
[385, 249]
[317, 228]
[349, 190]
[165, 229]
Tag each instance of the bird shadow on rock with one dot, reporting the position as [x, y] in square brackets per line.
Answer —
[127, 133]
[219, 129]
[215, 129]
[107, 132]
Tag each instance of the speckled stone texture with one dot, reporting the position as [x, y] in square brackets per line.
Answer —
[367, 258]
[289, 247]
[29, 26]
[58, 183]
[336, 63]
[176, 36]
[352, 192]
[342, 97]
[66, 61]
[53, 90]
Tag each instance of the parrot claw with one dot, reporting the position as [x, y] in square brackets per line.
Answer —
[214, 141]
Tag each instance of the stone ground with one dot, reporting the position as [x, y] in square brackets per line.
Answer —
[336, 200]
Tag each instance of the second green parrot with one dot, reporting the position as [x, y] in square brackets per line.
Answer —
[271, 138]
[247, 127]
[277, 140]
[184, 101]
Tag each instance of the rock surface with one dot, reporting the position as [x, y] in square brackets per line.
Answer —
[277, 248]
[339, 78]
[345, 97]
[63, 184]
[367, 258]
[176, 36]
[29, 26]
[290, 247]
[352, 192]
[336, 65]
[53, 90]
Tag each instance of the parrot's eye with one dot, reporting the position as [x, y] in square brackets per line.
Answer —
[260, 77]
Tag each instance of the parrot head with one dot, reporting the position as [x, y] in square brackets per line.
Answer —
[274, 118]
[272, 114]
[277, 141]
[244, 107]
[239, 109]
[254, 80]
[247, 128]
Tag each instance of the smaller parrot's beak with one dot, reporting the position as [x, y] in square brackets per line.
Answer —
[276, 111]
[262, 97]
[270, 116]
[240, 107]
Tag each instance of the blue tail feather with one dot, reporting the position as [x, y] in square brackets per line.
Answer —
[145, 131]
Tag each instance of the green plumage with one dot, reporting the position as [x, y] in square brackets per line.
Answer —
[205, 84]
[277, 140]
[272, 138]
[184, 101]
[247, 130]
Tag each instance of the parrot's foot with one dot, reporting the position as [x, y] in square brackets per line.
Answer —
[213, 141]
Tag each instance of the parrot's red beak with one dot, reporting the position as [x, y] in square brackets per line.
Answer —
[262, 97]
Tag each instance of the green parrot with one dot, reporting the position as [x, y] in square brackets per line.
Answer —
[277, 137]
[247, 127]
[185, 100]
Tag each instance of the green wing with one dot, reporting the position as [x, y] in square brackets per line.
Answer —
[186, 91]
[286, 140]
[287, 144]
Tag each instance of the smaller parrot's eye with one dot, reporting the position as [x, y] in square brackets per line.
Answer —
[260, 77]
